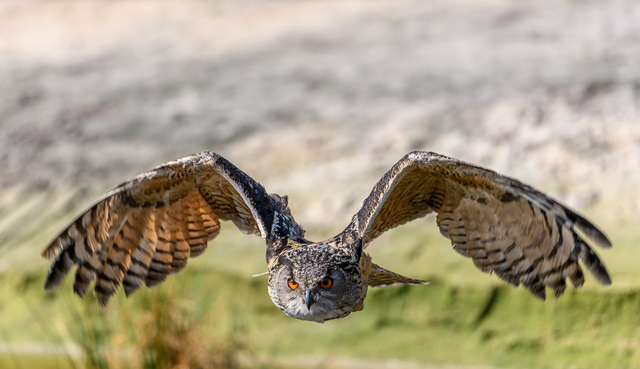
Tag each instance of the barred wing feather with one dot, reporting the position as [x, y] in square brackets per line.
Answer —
[148, 227]
[506, 227]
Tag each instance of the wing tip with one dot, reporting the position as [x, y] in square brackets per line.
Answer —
[591, 260]
[54, 246]
[589, 229]
[538, 292]
[601, 274]
[50, 285]
[595, 235]
[59, 270]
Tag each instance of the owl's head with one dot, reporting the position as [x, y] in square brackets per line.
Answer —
[317, 282]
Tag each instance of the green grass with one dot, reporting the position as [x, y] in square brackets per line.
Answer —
[213, 314]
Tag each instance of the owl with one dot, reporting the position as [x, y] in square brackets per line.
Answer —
[147, 228]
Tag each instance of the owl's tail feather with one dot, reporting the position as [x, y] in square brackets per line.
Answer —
[381, 277]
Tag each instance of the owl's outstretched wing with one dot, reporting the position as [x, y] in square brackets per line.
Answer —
[503, 225]
[147, 228]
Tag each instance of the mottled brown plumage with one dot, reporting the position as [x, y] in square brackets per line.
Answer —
[148, 227]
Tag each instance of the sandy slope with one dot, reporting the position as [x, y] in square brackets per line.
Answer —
[317, 98]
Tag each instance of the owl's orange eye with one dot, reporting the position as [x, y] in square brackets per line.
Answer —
[292, 284]
[326, 283]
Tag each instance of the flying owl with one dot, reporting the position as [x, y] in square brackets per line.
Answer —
[148, 227]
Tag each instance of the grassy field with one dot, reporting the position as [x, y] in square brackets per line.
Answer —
[214, 314]
[204, 316]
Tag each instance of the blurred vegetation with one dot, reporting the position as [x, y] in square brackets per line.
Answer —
[207, 319]
[214, 315]
[159, 329]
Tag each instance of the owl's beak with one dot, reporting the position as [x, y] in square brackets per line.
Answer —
[309, 299]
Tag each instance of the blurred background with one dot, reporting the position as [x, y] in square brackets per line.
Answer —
[316, 100]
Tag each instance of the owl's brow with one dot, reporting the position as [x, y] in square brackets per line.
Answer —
[346, 266]
[284, 262]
